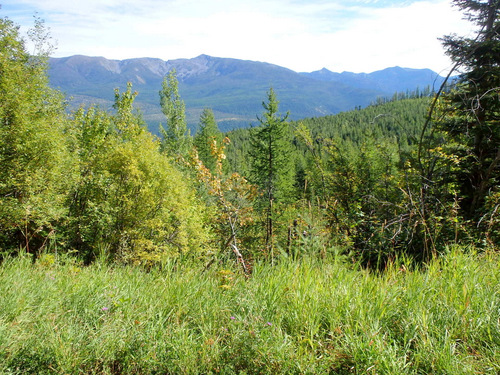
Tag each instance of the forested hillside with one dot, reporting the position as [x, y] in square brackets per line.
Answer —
[398, 121]
[395, 178]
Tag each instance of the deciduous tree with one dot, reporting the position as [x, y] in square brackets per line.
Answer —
[129, 198]
[176, 136]
[33, 155]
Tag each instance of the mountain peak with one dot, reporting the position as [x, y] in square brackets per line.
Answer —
[233, 88]
[203, 57]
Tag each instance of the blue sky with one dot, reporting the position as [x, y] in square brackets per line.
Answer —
[303, 35]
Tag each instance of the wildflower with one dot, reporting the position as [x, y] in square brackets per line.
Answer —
[233, 318]
[105, 309]
[269, 323]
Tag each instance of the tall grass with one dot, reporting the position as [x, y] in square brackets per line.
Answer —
[296, 317]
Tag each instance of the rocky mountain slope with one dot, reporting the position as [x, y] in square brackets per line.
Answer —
[233, 88]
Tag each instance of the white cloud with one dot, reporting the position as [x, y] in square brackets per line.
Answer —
[304, 35]
[406, 36]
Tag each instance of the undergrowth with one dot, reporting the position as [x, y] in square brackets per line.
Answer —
[306, 316]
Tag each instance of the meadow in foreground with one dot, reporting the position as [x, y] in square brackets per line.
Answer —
[296, 317]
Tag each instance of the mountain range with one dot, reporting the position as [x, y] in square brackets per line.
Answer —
[234, 89]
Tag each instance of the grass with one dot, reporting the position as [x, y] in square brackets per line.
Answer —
[297, 317]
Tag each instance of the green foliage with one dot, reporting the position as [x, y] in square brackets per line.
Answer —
[356, 173]
[128, 195]
[207, 133]
[400, 119]
[94, 184]
[311, 316]
[176, 137]
[33, 156]
[270, 153]
[398, 122]
[271, 162]
[232, 196]
[469, 115]
[358, 189]
[454, 177]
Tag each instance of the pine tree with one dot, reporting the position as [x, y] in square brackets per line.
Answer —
[470, 113]
[271, 160]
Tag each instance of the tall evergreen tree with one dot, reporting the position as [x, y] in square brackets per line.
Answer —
[271, 160]
[204, 138]
[470, 113]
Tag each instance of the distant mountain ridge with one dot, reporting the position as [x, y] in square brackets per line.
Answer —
[389, 80]
[233, 88]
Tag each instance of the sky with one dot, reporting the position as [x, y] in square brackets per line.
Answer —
[302, 35]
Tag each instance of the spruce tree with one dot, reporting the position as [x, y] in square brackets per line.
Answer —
[204, 138]
[470, 113]
[271, 160]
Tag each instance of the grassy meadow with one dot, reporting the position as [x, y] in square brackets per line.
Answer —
[306, 316]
